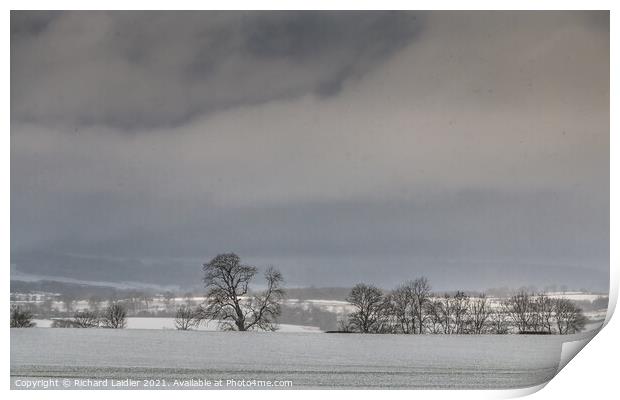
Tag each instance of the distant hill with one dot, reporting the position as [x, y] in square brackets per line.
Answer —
[186, 275]
[80, 291]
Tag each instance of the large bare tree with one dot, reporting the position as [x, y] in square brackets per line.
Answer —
[229, 300]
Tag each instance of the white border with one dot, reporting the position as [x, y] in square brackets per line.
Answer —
[593, 373]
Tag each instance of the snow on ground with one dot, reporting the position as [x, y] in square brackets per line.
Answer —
[334, 306]
[575, 296]
[308, 360]
[595, 318]
[595, 315]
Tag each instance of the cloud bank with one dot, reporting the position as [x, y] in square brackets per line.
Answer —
[340, 147]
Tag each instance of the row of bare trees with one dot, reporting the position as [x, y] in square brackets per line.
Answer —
[114, 316]
[413, 309]
[543, 314]
[230, 302]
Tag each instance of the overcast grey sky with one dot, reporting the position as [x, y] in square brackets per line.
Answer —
[471, 147]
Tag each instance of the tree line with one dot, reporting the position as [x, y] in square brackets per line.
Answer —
[230, 303]
[113, 316]
[412, 308]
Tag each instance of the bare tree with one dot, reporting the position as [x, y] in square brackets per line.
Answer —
[520, 311]
[344, 326]
[264, 307]
[187, 318]
[408, 304]
[434, 313]
[568, 317]
[114, 316]
[499, 322]
[448, 314]
[229, 301]
[21, 318]
[442, 314]
[421, 295]
[542, 313]
[460, 309]
[388, 321]
[402, 306]
[63, 323]
[85, 319]
[479, 313]
[369, 306]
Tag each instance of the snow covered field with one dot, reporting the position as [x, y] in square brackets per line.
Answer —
[575, 296]
[306, 359]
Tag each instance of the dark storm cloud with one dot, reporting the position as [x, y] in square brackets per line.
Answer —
[469, 147]
[25, 24]
[148, 69]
